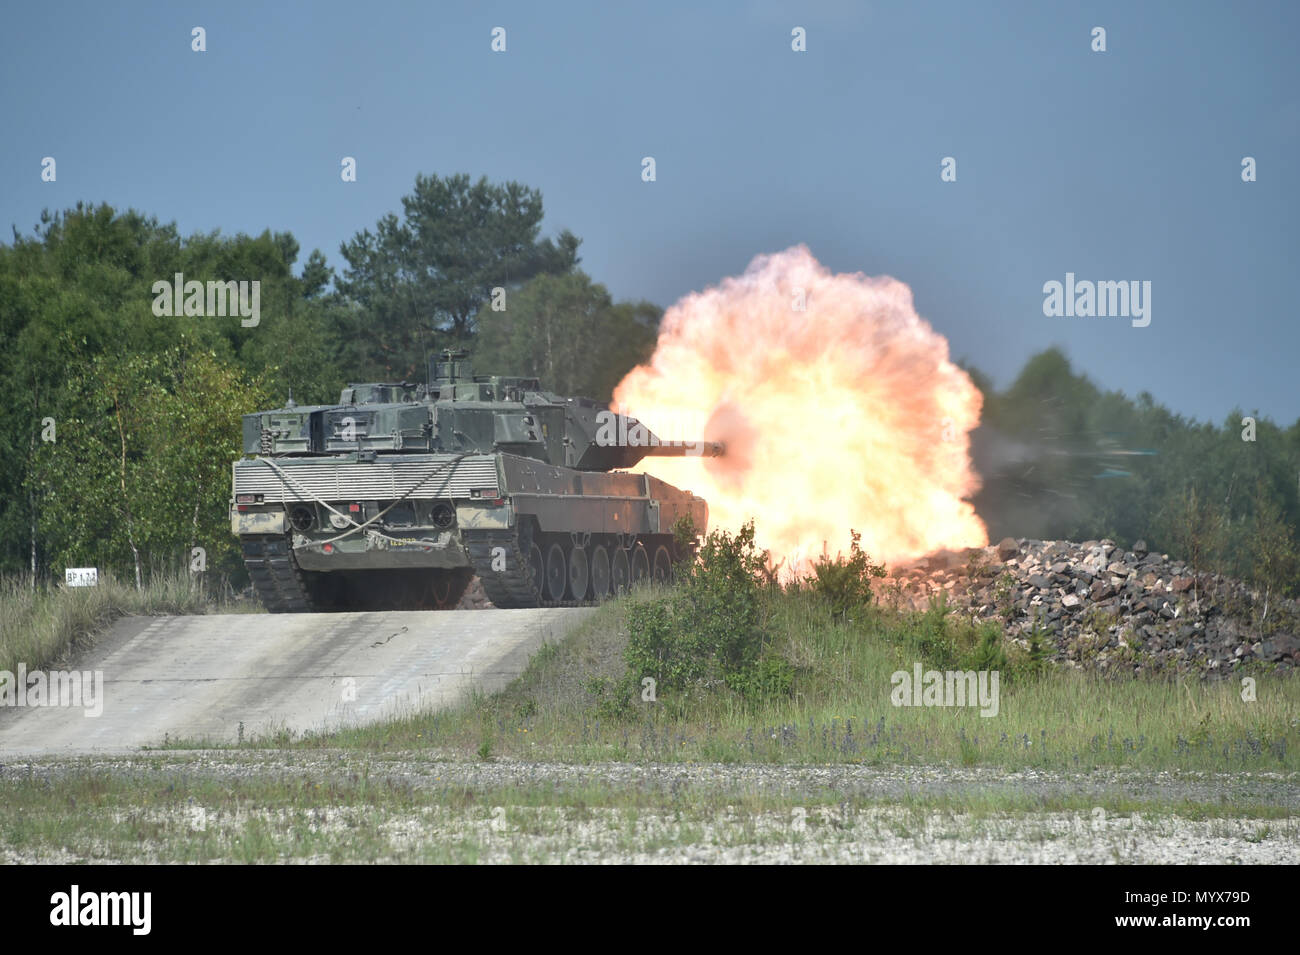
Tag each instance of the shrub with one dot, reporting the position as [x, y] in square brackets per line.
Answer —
[937, 643]
[1042, 647]
[709, 628]
[845, 584]
[1004, 596]
[988, 653]
[947, 642]
[661, 647]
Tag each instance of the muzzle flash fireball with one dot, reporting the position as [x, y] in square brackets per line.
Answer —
[837, 403]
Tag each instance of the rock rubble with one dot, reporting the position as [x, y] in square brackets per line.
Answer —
[1108, 608]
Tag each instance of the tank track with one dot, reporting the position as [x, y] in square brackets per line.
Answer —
[513, 587]
[283, 587]
[280, 585]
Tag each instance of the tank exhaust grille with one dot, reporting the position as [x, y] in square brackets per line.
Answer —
[349, 481]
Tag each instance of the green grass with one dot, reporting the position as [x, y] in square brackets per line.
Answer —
[44, 625]
[171, 813]
[562, 709]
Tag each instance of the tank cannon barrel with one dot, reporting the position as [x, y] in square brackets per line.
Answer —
[687, 449]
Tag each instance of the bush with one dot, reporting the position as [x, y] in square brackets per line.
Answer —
[709, 629]
[988, 653]
[609, 699]
[945, 642]
[845, 584]
[1004, 596]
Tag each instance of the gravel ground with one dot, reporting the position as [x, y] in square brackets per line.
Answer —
[885, 835]
[681, 818]
[821, 783]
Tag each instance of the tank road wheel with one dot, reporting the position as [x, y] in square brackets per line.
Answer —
[640, 565]
[620, 572]
[600, 572]
[663, 568]
[578, 575]
[557, 574]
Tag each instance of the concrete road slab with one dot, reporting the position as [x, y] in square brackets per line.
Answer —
[200, 677]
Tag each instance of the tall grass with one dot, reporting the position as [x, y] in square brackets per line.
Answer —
[46, 624]
[840, 711]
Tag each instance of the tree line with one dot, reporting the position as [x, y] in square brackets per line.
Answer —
[122, 423]
[1062, 459]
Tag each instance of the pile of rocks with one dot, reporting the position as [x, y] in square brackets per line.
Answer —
[1108, 608]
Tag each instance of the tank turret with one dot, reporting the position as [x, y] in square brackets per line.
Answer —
[458, 411]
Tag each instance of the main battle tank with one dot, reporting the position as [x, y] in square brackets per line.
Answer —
[398, 495]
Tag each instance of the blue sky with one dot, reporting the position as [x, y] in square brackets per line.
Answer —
[1123, 165]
